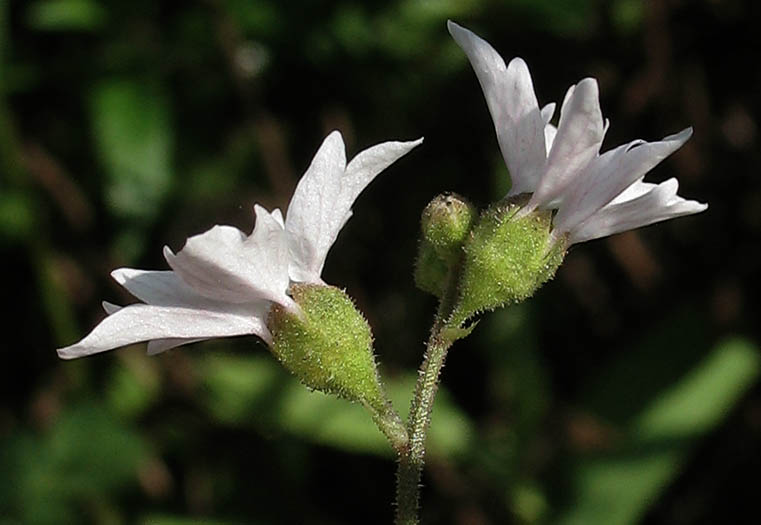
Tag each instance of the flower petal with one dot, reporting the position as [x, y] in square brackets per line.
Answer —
[611, 174]
[110, 308]
[225, 265]
[158, 346]
[547, 112]
[141, 322]
[310, 214]
[322, 202]
[658, 204]
[637, 189]
[161, 288]
[579, 135]
[277, 215]
[550, 132]
[513, 106]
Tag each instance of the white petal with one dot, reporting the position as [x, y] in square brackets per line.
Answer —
[513, 106]
[141, 322]
[550, 132]
[110, 308]
[278, 216]
[225, 265]
[158, 346]
[309, 213]
[658, 204]
[322, 202]
[161, 288]
[610, 175]
[547, 112]
[637, 189]
[579, 135]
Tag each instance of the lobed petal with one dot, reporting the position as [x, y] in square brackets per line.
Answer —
[550, 132]
[577, 141]
[547, 112]
[612, 173]
[224, 265]
[140, 322]
[161, 288]
[322, 202]
[649, 203]
[310, 215]
[512, 103]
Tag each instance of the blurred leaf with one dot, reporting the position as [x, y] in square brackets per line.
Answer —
[86, 456]
[134, 385]
[569, 17]
[435, 12]
[256, 389]
[617, 487]
[134, 141]
[260, 18]
[627, 15]
[17, 215]
[54, 299]
[66, 15]
[353, 29]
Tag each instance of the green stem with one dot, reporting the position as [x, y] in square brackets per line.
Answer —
[412, 457]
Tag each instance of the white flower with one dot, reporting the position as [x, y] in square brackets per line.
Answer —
[595, 195]
[223, 281]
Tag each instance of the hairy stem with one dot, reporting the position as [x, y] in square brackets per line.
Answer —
[412, 457]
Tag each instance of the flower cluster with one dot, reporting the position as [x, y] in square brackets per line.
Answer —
[224, 282]
[564, 191]
[561, 167]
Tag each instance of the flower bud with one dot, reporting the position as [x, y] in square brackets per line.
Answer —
[430, 271]
[507, 257]
[445, 224]
[328, 346]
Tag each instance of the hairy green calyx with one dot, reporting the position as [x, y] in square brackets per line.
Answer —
[329, 347]
[508, 256]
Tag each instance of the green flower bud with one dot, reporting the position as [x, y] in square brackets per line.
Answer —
[445, 223]
[329, 347]
[508, 256]
[430, 271]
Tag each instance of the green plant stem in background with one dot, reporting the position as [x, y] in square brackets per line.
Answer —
[445, 331]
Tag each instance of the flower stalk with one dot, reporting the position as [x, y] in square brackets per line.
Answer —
[445, 331]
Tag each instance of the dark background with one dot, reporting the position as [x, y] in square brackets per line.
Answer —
[626, 391]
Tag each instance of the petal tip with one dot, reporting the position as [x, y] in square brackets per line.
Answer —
[120, 275]
[454, 26]
[681, 137]
[168, 254]
[110, 308]
[68, 352]
[335, 136]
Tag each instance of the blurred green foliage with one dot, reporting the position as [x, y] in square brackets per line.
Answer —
[626, 392]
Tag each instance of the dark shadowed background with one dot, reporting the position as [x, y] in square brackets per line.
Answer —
[627, 391]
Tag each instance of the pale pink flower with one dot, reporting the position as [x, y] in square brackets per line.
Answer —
[595, 194]
[223, 282]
